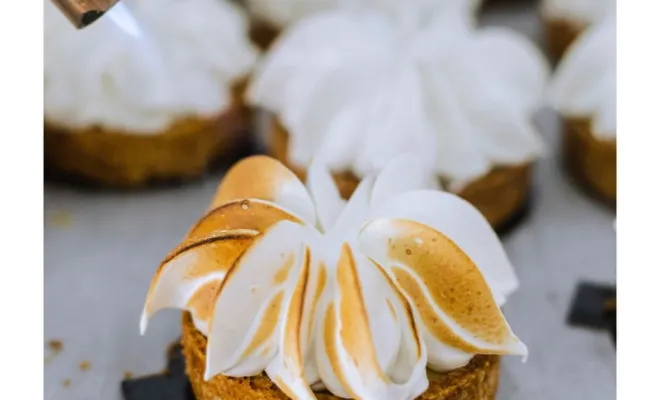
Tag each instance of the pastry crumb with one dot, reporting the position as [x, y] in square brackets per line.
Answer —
[55, 345]
[61, 219]
[66, 383]
[84, 366]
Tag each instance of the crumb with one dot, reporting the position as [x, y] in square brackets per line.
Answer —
[61, 219]
[55, 345]
[128, 374]
[66, 383]
[84, 366]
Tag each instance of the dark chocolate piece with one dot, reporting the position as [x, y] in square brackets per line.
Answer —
[594, 307]
[171, 385]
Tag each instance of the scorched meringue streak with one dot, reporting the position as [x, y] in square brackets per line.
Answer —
[357, 298]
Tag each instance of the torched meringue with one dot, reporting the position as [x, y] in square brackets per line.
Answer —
[357, 297]
[183, 63]
[357, 87]
[585, 82]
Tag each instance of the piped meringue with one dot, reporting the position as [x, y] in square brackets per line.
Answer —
[282, 13]
[585, 82]
[583, 12]
[184, 64]
[359, 299]
[357, 87]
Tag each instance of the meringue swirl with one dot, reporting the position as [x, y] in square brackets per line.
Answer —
[356, 297]
[184, 64]
[282, 13]
[357, 87]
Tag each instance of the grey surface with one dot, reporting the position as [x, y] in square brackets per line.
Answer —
[101, 250]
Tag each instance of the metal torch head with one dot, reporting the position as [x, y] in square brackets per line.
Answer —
[83, 13]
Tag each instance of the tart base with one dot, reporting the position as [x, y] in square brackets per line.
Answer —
[476, 381]
[560, 34]
[121, 159]
[502, 196]
[590, 161]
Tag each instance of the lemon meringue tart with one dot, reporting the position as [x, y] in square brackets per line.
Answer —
[357, 87]
[160, 99]
[565, 20]
[584, 92]
[291, 292]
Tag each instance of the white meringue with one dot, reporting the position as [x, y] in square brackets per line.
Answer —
[358, 297]
[583, 12]
[184, 64]
[356, 88]
[282, 13]
[585, 82]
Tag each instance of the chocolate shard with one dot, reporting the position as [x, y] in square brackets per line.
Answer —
[170, 385]
[594, 307]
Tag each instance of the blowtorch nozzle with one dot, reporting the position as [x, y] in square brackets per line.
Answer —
[82, 13]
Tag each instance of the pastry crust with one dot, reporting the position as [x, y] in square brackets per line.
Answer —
[560, 34]
[590, 161]
[499, 196]
[476, 381]
[121, 159]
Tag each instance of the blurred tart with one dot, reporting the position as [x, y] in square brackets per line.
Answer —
[565, 20]
[338, 299]
[161, 99]
[462, 99]
[498, 195]
[584, 93]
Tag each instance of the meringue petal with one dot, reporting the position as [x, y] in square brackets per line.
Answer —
[287, 369]
[355, 211]
[464, 225]
[243, 340]
[191, 274]
[404, 173]
[451, 295]
[325, 194]
[350, 342]
[262, 177]
[249, 214]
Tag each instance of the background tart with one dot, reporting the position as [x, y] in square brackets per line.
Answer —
[583, 91]
[121, 159]
[500, 195]
[158, 99]
[590, 161]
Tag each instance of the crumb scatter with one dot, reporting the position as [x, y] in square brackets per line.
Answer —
[84, 366]
[55, 345]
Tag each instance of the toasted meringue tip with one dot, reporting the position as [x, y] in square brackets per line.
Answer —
[207, 376]
[144, 322]
[518, 348]
[207, 368]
